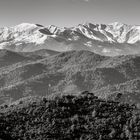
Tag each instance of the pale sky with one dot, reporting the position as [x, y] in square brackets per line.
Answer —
[68, 12]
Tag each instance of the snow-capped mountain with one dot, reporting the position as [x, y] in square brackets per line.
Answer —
[107, 39]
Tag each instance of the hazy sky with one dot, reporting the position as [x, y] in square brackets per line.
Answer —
[68, 12]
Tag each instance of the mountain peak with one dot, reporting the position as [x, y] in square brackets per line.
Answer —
[25, 24]
[116, 23]
[115, 38]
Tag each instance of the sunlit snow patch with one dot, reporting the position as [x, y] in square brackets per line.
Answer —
[89, 44]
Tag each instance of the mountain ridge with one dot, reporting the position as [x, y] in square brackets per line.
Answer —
[105, 39]
[67, 72]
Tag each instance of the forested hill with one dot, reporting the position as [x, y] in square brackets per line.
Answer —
[69, 117]
[47, 72]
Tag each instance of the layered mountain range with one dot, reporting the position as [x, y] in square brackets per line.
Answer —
[48, 73]
[38, 60]
[80, 83]
[105, 39]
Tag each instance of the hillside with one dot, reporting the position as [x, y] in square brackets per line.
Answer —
[39, 53]
[9, 58]
[68, 72]
[81, 117]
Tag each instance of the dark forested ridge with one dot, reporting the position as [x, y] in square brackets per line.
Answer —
[69, 117]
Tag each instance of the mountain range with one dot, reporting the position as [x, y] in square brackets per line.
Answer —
[30, 74]
[45, 61]
[105, 39]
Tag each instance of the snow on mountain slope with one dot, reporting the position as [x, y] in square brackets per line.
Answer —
[21, 34]
[26, 37]
[100, 38]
